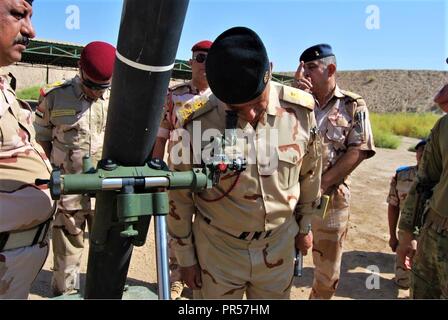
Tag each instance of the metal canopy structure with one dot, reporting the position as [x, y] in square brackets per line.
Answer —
[64, 54]
[52, 53]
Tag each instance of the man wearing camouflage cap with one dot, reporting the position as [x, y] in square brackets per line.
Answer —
[343, 121]
[425, 214]
[181, 102]
[399, 187]
[242, 238]
[70, 123]
[26, 209]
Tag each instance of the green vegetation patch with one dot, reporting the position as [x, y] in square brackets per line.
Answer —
[31, 93]
[387, 126]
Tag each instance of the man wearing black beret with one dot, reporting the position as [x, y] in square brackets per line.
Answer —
[242, 238]
[343, 121]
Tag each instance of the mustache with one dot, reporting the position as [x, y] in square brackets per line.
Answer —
[23, 40]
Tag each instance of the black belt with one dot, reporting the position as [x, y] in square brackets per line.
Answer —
[246, 235]
[12, 239]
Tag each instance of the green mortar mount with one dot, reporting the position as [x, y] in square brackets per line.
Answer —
[135, 192]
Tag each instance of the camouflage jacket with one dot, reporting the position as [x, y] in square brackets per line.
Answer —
[400, 185]
[23, 204]
[340, 129]
[433, 170]
[181, 102]
[283, 171]
[75, 125]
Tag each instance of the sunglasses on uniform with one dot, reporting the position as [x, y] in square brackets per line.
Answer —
[200, 57]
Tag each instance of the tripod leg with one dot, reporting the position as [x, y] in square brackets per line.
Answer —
[163, 277]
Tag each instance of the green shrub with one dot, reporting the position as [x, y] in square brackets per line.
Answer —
[31, 93]
[385, 139]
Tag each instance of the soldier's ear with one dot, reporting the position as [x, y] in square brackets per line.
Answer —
[331, 69]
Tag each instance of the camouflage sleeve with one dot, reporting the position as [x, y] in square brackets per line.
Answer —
[392, 197]
[407, 213]
[429, 171]
[309, 179]
[165, 125]
[42, 123]
[360, 135]
[179, 220]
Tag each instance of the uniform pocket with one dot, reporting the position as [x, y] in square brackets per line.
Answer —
[288, 170]
[337, 131]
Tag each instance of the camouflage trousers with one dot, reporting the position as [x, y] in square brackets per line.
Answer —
[230, 267]
[176, 283]
[174, 266]
[429, 278]
[402, 271]
[328, 238]
[68, 236]
[19, 268]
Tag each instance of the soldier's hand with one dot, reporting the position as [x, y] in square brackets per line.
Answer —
[406, 246]
[304, 242]
[300, 81]
[192, 276]
[393, 243]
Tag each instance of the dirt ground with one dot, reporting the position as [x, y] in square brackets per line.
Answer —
[366, 244]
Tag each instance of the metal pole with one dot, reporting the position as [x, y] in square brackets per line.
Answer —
[146, 51]
[163, 277]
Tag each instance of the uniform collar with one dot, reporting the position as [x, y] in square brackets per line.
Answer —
[195, 90]
[336, 93]
[3, 72]
[2, 79]
[274, 101]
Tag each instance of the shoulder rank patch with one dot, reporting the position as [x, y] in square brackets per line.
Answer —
[209, 105]
[49, 87]
[351, 95]
[62, 113]
[187, 109]
[297, 96]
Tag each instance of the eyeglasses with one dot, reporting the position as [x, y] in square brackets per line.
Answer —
[93, 85]
[200, 58]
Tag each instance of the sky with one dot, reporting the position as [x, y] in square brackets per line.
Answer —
[365, 35]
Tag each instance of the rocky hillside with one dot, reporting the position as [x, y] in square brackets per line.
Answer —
[394, 90]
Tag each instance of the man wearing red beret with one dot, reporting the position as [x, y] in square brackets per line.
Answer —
[182, 101]
[70, 123]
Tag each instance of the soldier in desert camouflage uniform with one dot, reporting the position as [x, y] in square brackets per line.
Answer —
[182, 101]
[399, 188]
[26, 210]
[242, 238]
[429, 279]
[343, 121]
[70, 123]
